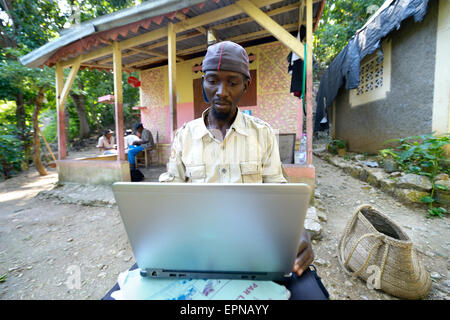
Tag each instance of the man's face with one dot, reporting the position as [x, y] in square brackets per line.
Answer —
[224, 89]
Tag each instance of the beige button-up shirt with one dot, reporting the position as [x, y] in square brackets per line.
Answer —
[247, 154]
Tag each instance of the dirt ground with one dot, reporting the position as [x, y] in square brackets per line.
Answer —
[44, 240]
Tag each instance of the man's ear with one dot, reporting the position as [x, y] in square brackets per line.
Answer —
[246, 84]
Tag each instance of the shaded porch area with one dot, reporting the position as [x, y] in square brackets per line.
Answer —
[172, 34]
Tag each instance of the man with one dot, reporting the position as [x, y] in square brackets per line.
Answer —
[145, 136]
[106, 143]
[129, 139]
[226, 146]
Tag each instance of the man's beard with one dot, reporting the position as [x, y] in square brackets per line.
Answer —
[220, 115]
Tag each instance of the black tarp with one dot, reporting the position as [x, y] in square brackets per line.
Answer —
[345, 67]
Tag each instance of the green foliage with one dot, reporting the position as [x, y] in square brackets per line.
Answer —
[385, 153]
[3, 278]
[336, 144]
[26, 25]
[423, 155]
[339, 22]
[11, 157]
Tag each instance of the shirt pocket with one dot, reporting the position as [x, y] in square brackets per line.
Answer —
[251, 172]
[196, 174]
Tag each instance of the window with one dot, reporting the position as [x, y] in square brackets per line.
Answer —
[374, 78]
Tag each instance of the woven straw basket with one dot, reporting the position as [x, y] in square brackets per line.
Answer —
[374, 248]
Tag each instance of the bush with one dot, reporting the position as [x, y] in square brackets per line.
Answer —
[12, 153]
[423, 155]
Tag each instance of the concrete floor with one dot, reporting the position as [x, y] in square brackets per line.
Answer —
[153, 172]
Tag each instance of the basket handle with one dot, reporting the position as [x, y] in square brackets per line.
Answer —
[344, 237]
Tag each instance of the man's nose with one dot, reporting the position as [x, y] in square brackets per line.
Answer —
[222, 89]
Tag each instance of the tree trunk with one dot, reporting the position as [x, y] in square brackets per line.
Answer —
[80, 104]
[20, 120]
[37, 141]
[20, 113]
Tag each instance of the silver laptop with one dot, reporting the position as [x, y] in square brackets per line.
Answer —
[213, 231]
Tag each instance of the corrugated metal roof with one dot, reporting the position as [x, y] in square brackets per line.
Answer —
[82, 39]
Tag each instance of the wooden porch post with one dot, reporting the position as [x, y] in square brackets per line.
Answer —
[118, 99]
[61, 124]
[62, 91]
[171, 52]
[309, 78]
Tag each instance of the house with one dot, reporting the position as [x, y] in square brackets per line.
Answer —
[402, 90]
[165, 40]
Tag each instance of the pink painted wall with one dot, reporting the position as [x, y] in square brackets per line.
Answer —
[156, 116]
[185, 113]
[275, 104]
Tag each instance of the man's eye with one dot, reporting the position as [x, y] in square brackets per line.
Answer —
[211, 81]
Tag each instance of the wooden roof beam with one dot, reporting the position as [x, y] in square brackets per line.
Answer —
[212, 16]
[152, 46]
[270, 25]
[180, 16]
[274, 12]
[153, 53]
[248, 36]
[192, 23]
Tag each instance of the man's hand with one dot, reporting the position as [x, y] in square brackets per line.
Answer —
[305, 254]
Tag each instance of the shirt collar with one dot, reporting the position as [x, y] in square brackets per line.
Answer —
[239, 125]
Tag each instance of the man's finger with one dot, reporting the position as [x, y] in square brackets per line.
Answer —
[303, 261]
[302, 247]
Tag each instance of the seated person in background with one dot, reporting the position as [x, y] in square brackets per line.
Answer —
[133, 150]
[106, 143]
[145, 135]
[129, 138]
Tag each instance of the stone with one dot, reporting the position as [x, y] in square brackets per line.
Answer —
[442, 198]
[348, 283]
[321, 262]
[414, 181]
[374, 176]
[410, 195]
[364, 174]
[390, 165]
[387, 185]
[446, 283]
[441, 176]
[444, 183]
[312, 214]
[355, 171]
[322, 215]
[435, 275]
[396, 174]
[335, 160]
[314, 228]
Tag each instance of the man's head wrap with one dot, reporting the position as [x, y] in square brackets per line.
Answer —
[226, 56]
